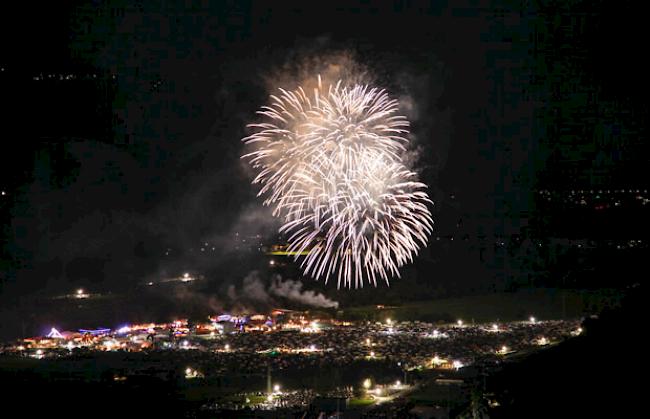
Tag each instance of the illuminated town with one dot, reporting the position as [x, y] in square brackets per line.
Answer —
[264, 357]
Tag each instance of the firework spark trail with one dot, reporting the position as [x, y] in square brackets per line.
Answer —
[330, 166]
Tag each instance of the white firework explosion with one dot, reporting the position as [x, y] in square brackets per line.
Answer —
[330, 166]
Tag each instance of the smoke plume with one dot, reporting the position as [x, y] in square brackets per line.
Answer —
[292, 290]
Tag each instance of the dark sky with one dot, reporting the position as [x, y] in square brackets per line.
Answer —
[120, 175]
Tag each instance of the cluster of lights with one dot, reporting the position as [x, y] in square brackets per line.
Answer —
[502, 243]
[312, 328]
[191, 373]
[436, 334]
[81, 294]
[601, 198]
[437, 361]
[68, 76]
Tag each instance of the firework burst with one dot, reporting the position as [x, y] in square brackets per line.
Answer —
[329, 164]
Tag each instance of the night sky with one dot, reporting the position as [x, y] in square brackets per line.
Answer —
[122, 173]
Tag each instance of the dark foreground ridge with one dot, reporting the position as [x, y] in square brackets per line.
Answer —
[596, 375]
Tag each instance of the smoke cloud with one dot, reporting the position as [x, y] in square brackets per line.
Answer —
[251, 294]
[253, 288]
[292, 290]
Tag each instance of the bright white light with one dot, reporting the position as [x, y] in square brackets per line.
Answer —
[457, 364]
[54, 334]
[312, 347]
[577, 332]
[436, 360]
[398, 383]
[372, 354]
[532, 319]
[367, 383]
[188, 371]
[389, 321]
[495, 327]
[368, 341]
[39, 352]
[80, 291]
[186, 275]
[227, 347]
[269, 398]
[459, 322]
[276, 388]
